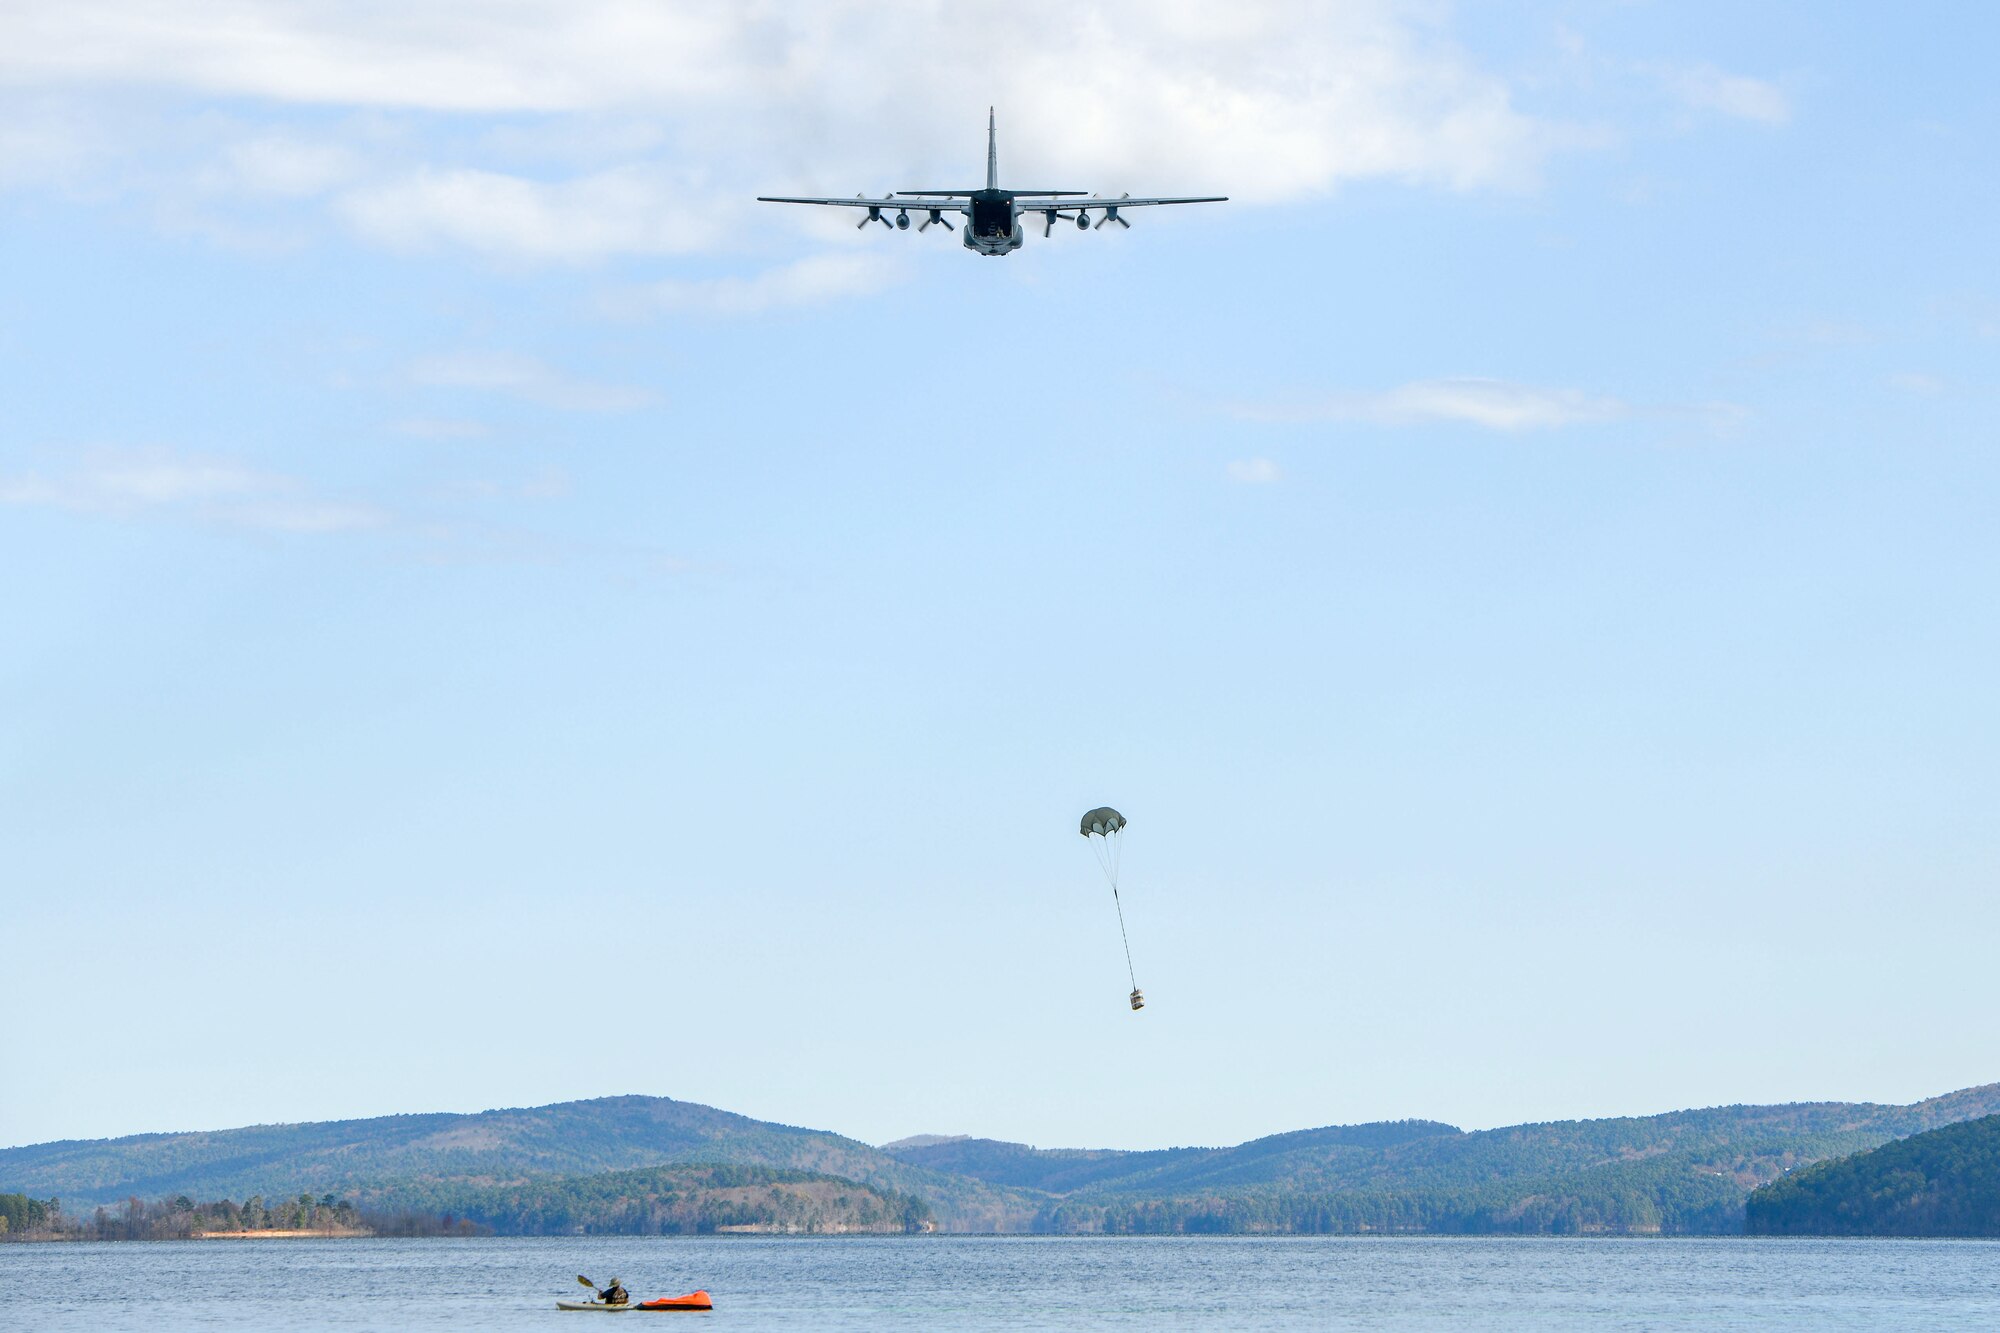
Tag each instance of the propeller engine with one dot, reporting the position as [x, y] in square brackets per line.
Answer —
[937, 216]
[874, 215]
[1111, 213]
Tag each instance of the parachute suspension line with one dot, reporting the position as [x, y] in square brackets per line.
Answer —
[1109, 849]
[1124, 939]
[1110, 856]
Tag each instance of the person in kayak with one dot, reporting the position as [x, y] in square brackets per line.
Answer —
[615, 1294]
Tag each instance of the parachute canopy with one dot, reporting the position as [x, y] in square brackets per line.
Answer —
[1102, 821]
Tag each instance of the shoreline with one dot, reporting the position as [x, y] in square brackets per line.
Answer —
[319, 1232]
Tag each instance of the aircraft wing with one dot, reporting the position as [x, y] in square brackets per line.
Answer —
[1097, 202]
[910, 205]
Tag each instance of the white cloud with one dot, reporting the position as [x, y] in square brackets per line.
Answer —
[628, 210]
[1255, 471]
[444, 55]
[46, 141]
[284, 165]
[1707, 88]
[1489, 403]
[162, 485]
[807, 281]
[157, 482]
[1265, 100]
[526, 378]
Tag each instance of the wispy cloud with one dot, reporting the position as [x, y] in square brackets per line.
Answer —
[526, 378]
[160, 483]
[626, 210]
[1707, 88]
[1918, 382]
[808, 281]
[1491, 404]
[1255, 471]
[50, 141]
[157, 485]
[288, 166]
[547, 484]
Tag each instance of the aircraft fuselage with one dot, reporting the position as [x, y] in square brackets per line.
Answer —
[993, 225]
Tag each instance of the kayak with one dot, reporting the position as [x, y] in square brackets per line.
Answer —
[694, 1300]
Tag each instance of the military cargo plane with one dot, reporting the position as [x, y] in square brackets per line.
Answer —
[993, 216]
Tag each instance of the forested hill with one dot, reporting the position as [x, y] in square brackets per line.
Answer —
[387, 1161]
[676, 1200]
[1942, 1183]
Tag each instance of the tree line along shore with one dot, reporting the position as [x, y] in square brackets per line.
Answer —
[23, 1218]
[700, 1200]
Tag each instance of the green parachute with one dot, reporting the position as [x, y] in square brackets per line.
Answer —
[1105, 828]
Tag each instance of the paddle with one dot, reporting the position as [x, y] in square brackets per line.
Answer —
[586, 1281]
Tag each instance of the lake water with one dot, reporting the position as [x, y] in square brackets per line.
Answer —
[1012, 1283]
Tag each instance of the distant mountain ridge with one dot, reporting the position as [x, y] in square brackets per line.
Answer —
[1681, 1172]
[924, 1141]
[1069, 1170]
[387, 1159]
[1401, 1152]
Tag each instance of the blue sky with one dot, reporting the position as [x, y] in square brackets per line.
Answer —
[490, 615]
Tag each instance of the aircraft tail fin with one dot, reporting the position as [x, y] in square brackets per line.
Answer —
[992, 153]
